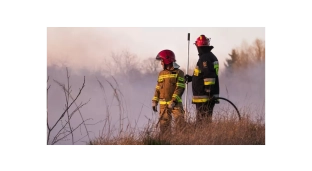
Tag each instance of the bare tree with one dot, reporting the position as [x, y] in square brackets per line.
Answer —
[150, 65]
[246, 55]
[244, 58]
[130, 60]
[230, 63]
[259, 50]
[66, 129]
[106, 66]
[123, 62]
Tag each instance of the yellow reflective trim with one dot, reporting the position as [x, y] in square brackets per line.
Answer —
[209, 82]
[164, 102]
[168, 76]
[162, 77]
[199, 100]
[157, 87]
[181, 79]
[196, 71]
[177, 97]
[181, 85]
[216, 67]
[155, 98]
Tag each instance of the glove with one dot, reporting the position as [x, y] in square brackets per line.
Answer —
[171, 105]
[154, 106]
[188, 78]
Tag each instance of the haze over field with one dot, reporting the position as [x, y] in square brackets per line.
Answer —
[88, 52]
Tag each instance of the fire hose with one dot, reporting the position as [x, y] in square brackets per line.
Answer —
[230, 103]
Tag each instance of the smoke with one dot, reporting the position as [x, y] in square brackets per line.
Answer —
[79, 48]
[246, 89]
[128, 86]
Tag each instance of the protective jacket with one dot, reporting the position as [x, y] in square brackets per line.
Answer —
[170, 87]
[205, 81]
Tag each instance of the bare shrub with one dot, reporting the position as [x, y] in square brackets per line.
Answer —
[66, 129]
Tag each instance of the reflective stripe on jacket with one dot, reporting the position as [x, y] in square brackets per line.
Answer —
[170, 86]
[205, 81]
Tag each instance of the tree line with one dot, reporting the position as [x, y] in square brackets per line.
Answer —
[246, 55]
[127, 63]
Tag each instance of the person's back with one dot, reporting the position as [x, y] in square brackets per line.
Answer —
[209, 67]
[205, 81]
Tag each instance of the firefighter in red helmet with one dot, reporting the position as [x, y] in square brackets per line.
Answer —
[168, 92]
[205, 81]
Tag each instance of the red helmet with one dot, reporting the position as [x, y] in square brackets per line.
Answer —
[202, 40]
[167, 56]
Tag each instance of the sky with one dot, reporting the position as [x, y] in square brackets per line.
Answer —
[87, 47]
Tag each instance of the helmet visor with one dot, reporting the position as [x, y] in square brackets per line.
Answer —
[158, 58]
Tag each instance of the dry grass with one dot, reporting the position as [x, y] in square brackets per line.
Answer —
[225, 131]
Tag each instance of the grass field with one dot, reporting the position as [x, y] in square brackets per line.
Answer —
[222, 131]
